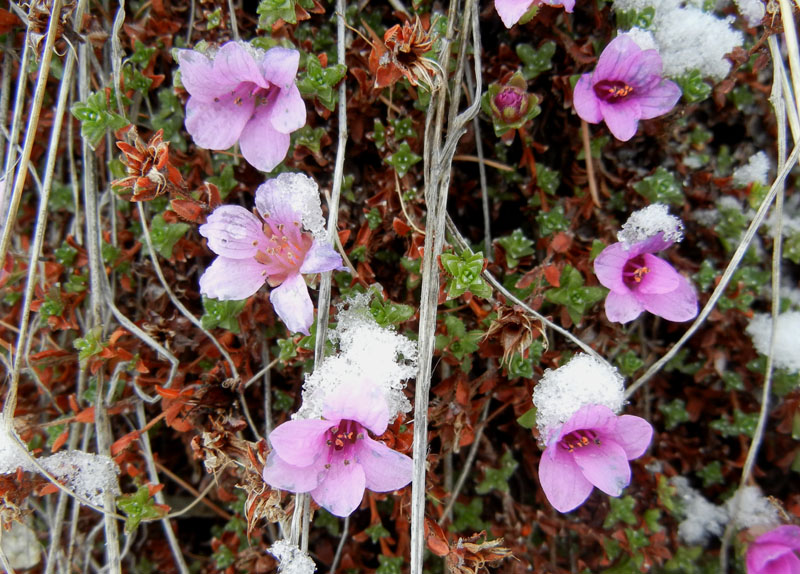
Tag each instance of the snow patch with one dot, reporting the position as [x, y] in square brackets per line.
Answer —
[754, 509]
[787, 333]
[751, 10]
[755, 170]
[291, 560]
[703, 519]
[650, 221]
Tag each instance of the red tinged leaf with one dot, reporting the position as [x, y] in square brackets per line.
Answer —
[553, 275]
[436, 539]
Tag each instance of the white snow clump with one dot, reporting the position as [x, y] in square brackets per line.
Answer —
[368, 353]
[650, 221]
[755, 170]
[786, 354]
[291, 560]
[703, 519]
[751, 10]
[754, 509]
[584, 380]
[302, 194]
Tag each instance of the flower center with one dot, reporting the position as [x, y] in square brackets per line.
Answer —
[343, 437]
[634, 271]
[286, 247]
[578, 439]
[612, 91]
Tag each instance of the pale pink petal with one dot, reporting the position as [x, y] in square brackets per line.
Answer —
[320, 258]
[293, 304]
[272, 202]
[562, 481]
[234, 232]
[280, 474]
[199, 79]
[622, 118]
[510, 11]
[609, 265]
[659, 100]
[288, 111]
[341, 491]
[771, 559]
[604, 465]
[232, 279]
[678, 305]
[262, 145]
[586, 102]
[385, 469]
[235, 60]
[619, 60]
[279, 66]
[788, 535]
[652, 244]
[218, 124]
[645, 72]
[633, 434]
[301, 442]
[370, 409]
[660, 278]
[623, 307]
[597, 417]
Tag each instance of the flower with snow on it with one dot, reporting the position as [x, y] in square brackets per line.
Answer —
[334, 458]
[243, 94]
[273, 247]
[625, 87]
[512, 11]
[591, 449]
[775, 552]
[640, 281]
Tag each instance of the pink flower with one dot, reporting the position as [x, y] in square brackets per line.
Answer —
[625, 87]
[511, 11]
[591, 449]
[272, 248]
[334, 458]
[640, 281]
[243, 94]
[775, 552]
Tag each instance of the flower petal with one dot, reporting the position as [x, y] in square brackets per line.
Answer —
[586, 102]
[595, 417]
[678, 305]
[562, 481]
[658, 100]
[604, 465]
[788, 535]
[288, 110]
[293, 304]
[623, 307]
[385, 469]
[262, 145]
[622, 118]
[301, 442]
[510, 11]
[633, 434]
[280, 474]
[232, 279]
[234, 232]
[320, 258]
[618, 61]
[279, 66]
[200, 79]
[235, 60]
[609, 266]
[218, 124]
[370, 409]
[342, 489]
[660, 278]
[771, 559]
[646, 74]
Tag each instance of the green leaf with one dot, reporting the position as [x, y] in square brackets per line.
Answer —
[468, 516]
[223, 314]
[288, 350]
[137, 507]
[225, 181]
[90, 345]
[535, 61]
[573, 295]
[464, 272]
[309, 137]
[214, 19]
[547, 179]
[497, 478]
[552, 221]
[628, 363]
[270, 11]
[661, 187]
[711, 474]
[742, 424]
[169, 118]
[165, 235]
[528, 420]
[706, 275]
[389, 564]
[376, 532]
[627, 19]
[282, 401]
[674, 412]
[65, 254]
[403, 128]
[316, 81]
[516, 246]
[374, 218]
[96, 118]
[387, 313]
[402, 159]
[695, 88]
[621, 510]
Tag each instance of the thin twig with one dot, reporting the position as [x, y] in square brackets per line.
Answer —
[340, 547]
[485, 161]
[200, 497]
[234, 24]
[587, 152]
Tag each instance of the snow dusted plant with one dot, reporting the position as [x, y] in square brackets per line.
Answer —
[775, 552]
[246, 95]
[282, 241]
[356, 392]
[512, 11]
[625, 87]
[640, 281]
[586, 444]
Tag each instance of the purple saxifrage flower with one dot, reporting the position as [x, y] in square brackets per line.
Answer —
[243, 94]
[511, 11]
[775, 552]
[625, 87]
[591, 449]
[273, 247]
[334, 458]
[640, 281]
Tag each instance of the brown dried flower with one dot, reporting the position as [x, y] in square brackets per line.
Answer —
[402, 53]
[150, 172]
